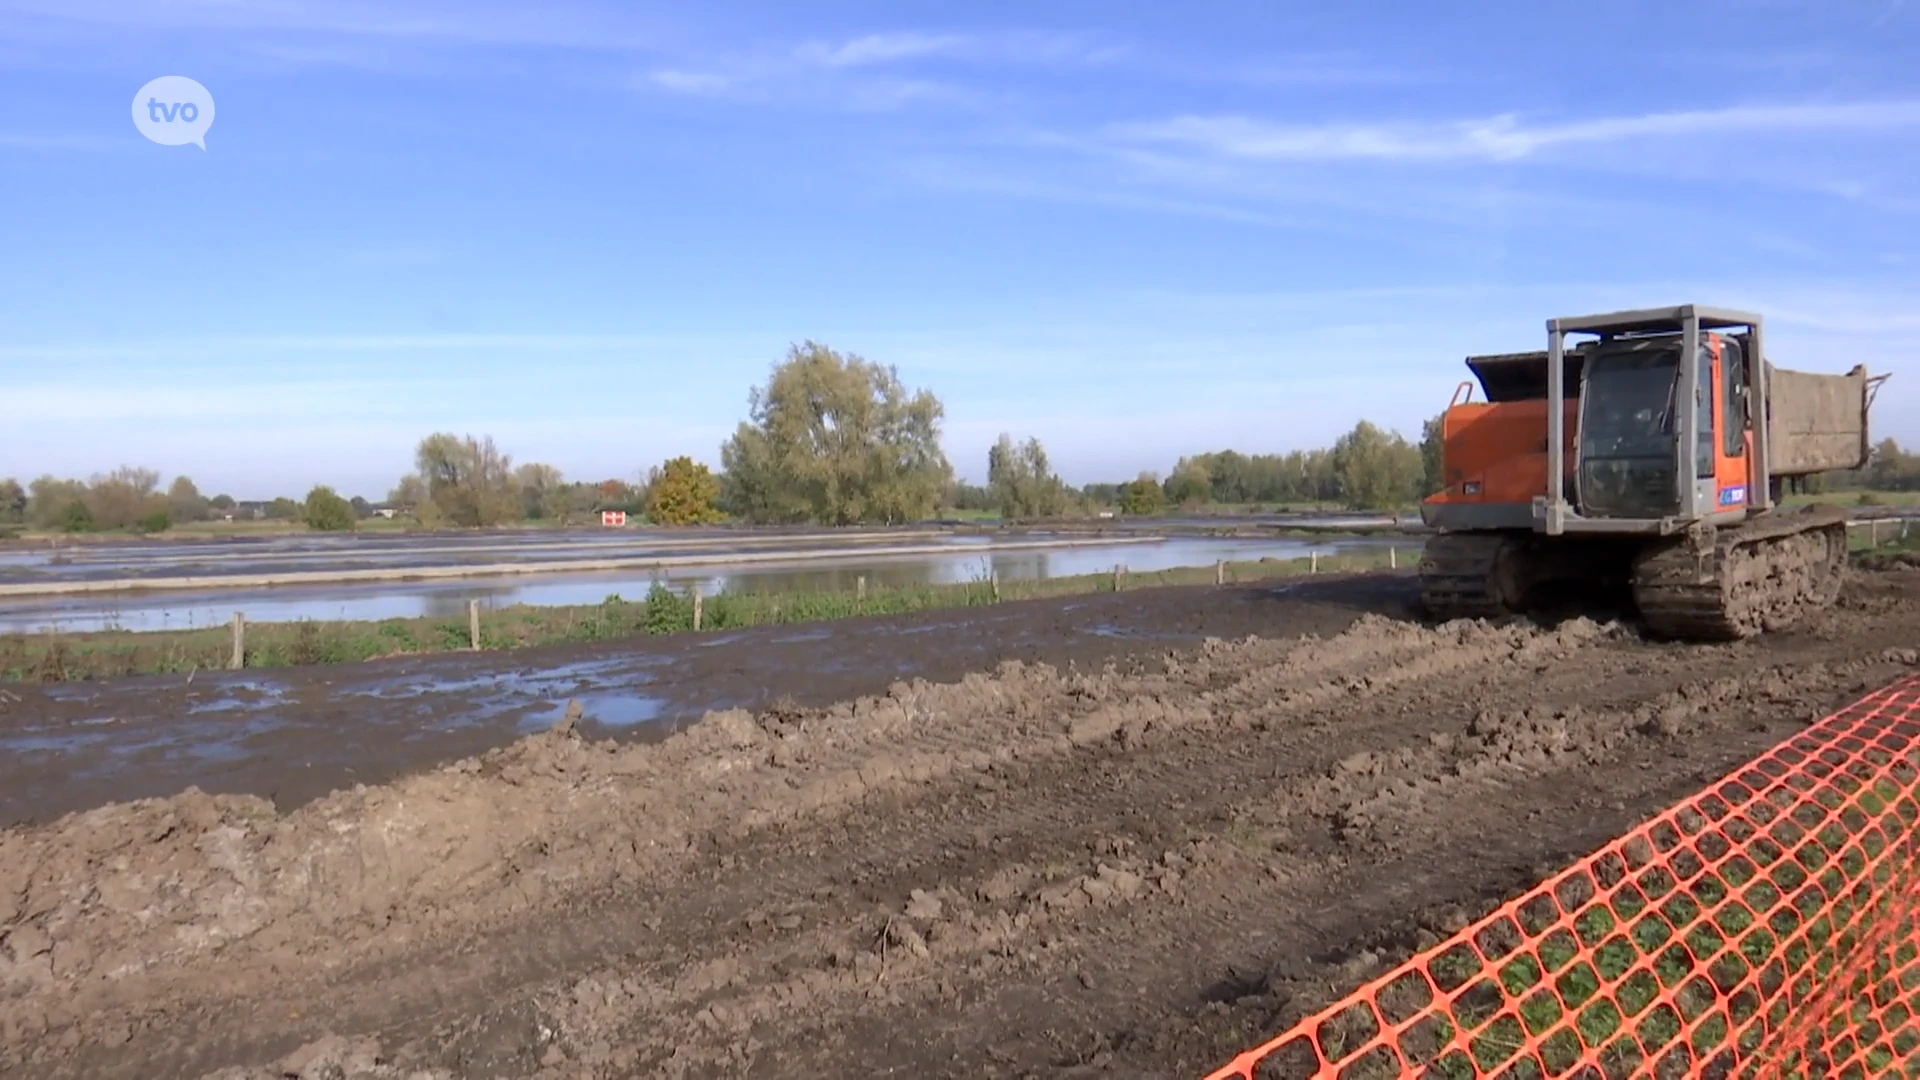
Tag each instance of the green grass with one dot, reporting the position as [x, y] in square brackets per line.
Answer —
[1894, 536]
[1597, 981]
[1904, 499]
[60, 657]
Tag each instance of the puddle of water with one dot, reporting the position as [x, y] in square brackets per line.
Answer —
[57, 692]
[800, 636]
[239, 693]
[217, 752]
[538, 684]
[72, 742]
[1108, 630]
[606, 710]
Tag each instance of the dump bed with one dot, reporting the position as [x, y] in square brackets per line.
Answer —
[1522, 376]
[1816, 422]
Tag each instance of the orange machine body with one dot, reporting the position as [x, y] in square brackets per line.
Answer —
[1495, 453]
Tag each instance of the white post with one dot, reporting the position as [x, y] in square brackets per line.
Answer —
[1393, 558]
[239, 641]
[473, 623]
[1220, 572]
[1313, 563]
[993, 583]
[1117, 571]
[860, 587]
[695, 589]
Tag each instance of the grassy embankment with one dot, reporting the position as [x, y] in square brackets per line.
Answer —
[61, 657]
[1898, 500]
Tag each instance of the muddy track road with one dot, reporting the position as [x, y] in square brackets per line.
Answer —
[1138, 869]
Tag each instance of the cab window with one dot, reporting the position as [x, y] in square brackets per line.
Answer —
[1703, 417]
[1733, 376]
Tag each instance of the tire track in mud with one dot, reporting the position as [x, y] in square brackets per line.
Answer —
[1036, 702]
[1167, 814]
[683, 995]
[1344, 889]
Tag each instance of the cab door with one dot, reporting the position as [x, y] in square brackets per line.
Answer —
[1732, 452]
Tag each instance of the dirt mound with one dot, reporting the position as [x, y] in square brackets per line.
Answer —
[106, 894]
[1156, 857]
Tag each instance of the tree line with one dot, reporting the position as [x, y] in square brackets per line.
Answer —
[829, 439]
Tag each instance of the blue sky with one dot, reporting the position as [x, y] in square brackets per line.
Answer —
[1133, 230]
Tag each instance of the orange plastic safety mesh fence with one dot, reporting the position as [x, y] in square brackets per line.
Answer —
[1767, 927]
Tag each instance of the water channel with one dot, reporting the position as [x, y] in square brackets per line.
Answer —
[449, 597]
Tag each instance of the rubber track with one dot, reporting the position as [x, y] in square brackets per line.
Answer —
[1456, 575]
[1680, 591]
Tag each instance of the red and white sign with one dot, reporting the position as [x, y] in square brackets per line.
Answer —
[613, 517]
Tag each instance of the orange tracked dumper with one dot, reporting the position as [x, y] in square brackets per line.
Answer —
[1650, 454]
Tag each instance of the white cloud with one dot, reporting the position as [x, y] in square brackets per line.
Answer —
[861, 72]
[693, 82]
[346, 343]
[884, 48]
[549, 25]
[1498, 138]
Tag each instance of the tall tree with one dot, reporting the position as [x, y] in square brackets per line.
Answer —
[469, 480]
[543, 492]
[1142, 495]
[682, 492]
[49, 500]
[837, 440]
[1376, 469]
[326, 511]
[184, 501]
[13, 502]
[1432, 464]
[1022, 482]
[124, 496]
[1190, 483]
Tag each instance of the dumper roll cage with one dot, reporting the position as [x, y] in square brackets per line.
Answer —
[1555, 516]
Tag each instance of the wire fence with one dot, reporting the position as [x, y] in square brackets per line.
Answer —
[1766, 928]
[1891, 529]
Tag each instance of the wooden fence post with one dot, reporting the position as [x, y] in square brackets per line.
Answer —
[1393, 558]
[1117, 571]
[1873, 533]
[1220, 572]
[239, 641]
[697, 605]
[473, 623]
[993, 583]
[1313, 562]
[860, 588]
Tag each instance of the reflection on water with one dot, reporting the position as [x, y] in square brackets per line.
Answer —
[448, 599]
[118, 747]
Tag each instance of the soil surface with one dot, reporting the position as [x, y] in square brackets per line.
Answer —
[1134, 860]
[294, 734]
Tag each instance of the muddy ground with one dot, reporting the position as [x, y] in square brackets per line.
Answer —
[1130, 869]
[295, 734]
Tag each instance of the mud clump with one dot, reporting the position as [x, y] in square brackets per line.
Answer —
[333, 1057]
